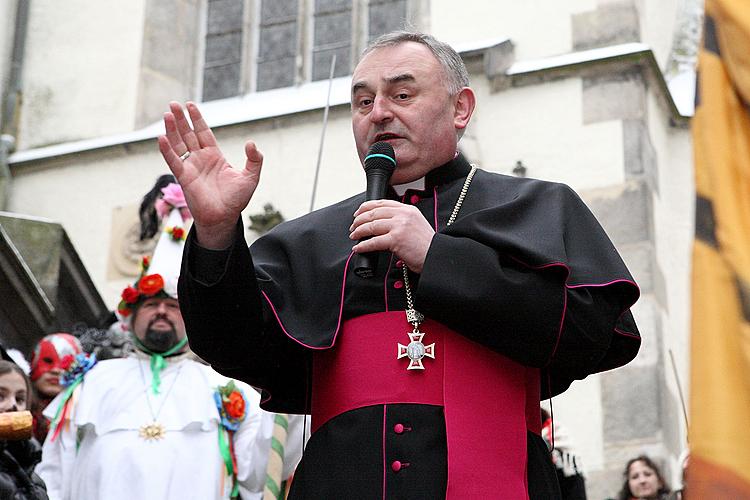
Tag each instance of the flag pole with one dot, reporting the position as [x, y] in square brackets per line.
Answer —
[679, 390]
[323, 132]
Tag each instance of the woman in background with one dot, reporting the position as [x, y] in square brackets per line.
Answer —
[643, 481]
[18, 458]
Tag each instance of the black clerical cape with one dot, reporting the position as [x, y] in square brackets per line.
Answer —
[525, 271]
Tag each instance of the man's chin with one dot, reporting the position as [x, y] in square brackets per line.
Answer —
[160, 340]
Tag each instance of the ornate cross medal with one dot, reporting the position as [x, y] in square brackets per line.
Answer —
[416, 350]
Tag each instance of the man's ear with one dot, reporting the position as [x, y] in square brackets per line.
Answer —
[465, 101]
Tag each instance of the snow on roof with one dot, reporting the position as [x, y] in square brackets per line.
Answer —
[682, 88]
[464, 47]
[312, 95]
[249, 107]
[574, 58]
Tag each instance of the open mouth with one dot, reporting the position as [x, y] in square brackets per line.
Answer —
[386, 137]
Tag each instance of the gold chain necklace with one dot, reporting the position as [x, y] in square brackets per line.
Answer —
[154, 430]
[416, 351]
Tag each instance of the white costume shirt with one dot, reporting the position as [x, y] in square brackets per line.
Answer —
[112, 461]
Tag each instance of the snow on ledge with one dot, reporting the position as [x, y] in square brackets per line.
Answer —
[312, 95]
[219, 113]
[682, 88]
[574, 58]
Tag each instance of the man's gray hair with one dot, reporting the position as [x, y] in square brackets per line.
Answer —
[457, 77]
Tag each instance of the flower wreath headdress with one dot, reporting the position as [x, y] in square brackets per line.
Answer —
[159, 273]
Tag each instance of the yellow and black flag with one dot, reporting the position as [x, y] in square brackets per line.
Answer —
[719, 466]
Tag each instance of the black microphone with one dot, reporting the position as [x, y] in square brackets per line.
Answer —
[380, 163]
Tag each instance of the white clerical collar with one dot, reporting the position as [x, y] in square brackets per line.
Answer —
[417, 185]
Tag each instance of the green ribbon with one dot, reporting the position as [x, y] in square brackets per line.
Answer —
[158, 363]
[226, 454]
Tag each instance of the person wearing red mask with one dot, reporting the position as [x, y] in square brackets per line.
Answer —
[50, 357]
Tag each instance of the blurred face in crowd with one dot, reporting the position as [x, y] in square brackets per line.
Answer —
[643, 480]
[13, 392]
[400, 95]
[48, 384]
[50, 355]
[158, 323]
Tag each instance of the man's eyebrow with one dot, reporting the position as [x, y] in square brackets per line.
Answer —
[404, 77]
[358, 86]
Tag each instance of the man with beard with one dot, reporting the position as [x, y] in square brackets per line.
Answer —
[158, 424]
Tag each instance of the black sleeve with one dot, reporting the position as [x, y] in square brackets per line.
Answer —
[220, 302]
[227, 324]
[526, 314]
[514, 311]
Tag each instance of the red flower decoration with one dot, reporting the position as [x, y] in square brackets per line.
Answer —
[151, 284]
[232, 405]
[130, 295]
[145, 262]
[178, 233]
[236, 405]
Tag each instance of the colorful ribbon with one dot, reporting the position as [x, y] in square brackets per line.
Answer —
[62, 409]
[227, 453]
[70, 379]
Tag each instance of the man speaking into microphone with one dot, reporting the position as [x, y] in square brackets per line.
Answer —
[485, 293]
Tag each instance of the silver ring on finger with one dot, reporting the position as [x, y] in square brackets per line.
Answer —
[184, 156]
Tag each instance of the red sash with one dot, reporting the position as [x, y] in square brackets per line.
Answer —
[489, 401]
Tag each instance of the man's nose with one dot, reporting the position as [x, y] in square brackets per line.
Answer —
[381, 110]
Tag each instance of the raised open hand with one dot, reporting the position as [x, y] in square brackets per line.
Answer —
[216, 193]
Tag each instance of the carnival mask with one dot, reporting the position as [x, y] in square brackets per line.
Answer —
[53, 352]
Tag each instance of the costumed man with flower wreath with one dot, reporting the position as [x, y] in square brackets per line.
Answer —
[158, 424]
[486, 292]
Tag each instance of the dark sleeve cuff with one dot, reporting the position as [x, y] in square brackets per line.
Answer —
[206, 265]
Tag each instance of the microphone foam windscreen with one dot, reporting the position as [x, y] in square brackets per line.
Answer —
[380, 156]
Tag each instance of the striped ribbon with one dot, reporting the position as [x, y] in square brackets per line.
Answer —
[63, 409]
[274, 489]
